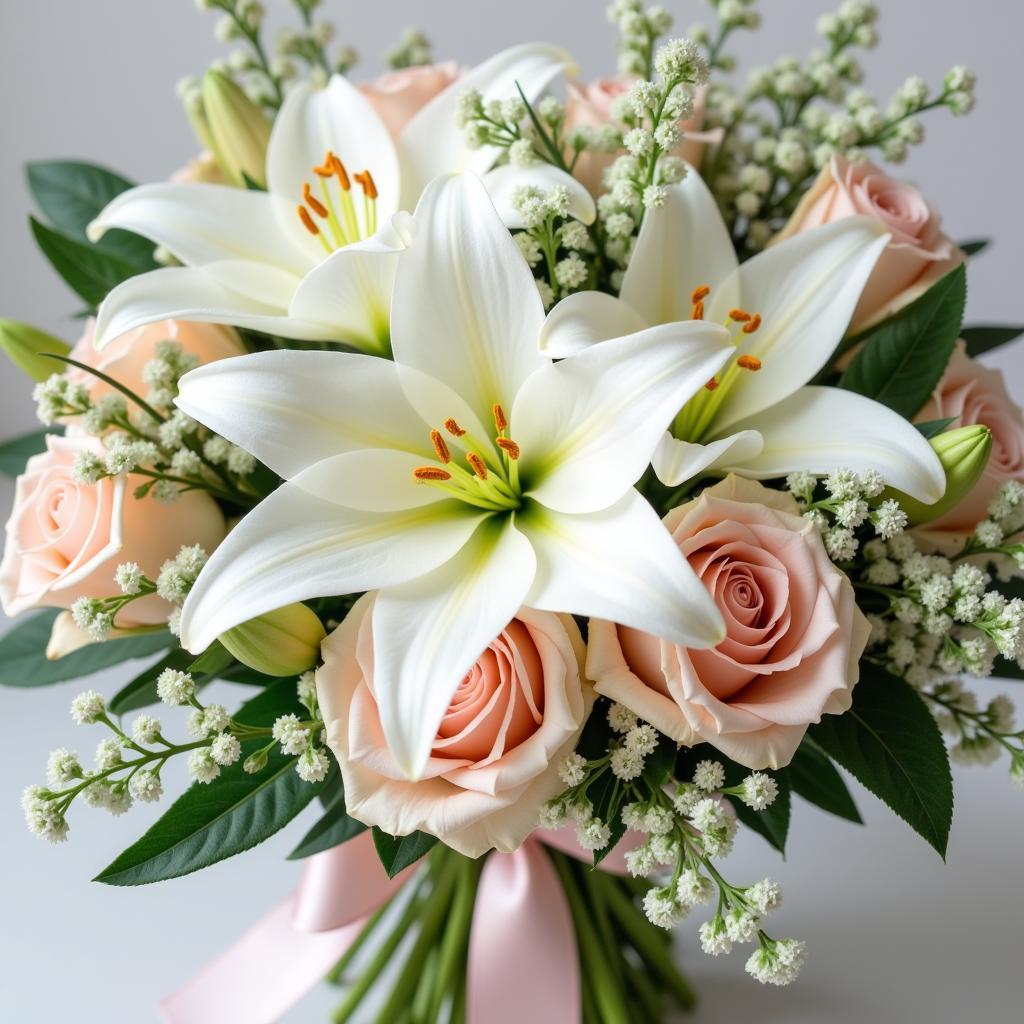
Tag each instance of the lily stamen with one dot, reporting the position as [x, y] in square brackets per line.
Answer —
[509, 447]
[426, 473]
[500, 423]
[478, 465]
[740, 316]
[753, 324]
[712, 384]
[748, 363]
[312, 202]
[453, 428]
[343, 224]
[440, 446]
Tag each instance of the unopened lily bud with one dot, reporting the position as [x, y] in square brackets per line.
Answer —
[238, 130]
[964, 454]
[285, 642]
[23, 345]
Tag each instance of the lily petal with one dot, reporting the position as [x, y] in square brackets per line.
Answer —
[466, 309]
[202, 223]
[806, 290]
[295, 546]
[432, 144]
[352, 288]
[503, 182]
[293, 409]
[587, 426]
[429, 632]
[186, 293]
[822, 429]
[585, 318]
[338, 118]
[682, 245]
[620, 564]
[677, 461]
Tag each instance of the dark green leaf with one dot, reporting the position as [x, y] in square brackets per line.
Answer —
[333, 829]
[975, 246]
[23, 660]
[889, 741]
[16, 452]
[86, 269]
[209, 823]
[814, 777]
[141, 691]
[934, 427]
[396, 853]
[902, 360]
[985, 337]
[71, 194]
[773, 822]
[215, 660]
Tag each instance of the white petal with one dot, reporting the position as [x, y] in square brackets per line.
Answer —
[677, 461]
[620, 564]
[503, 182]
[682, 245]
[337, 118]
[587, 426]
[294, 546]
[433, 144]
[822, 429]
[584, 318]
[806, 290]
[352, 289]
[202, 223]
[293, 409]
[466, 309]
[185, 293]
[428, 633]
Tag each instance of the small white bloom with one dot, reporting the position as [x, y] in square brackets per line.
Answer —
[594, 835]
[63, 767]
[225, 749]
[766, 895]
[289, 732]
[759, 791]
[693, 888]
[709, 776]
[312, 766]
[175, 688]
[621, 719]
[573, 770]
[88, 707]
[108, 754]
[145, 786]
[714, 939]
[202, 767]
[145, 729]
[661, 908]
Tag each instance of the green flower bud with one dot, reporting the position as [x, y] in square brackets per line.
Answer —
[23, 345]
[285, 642]
[964, 455]
[238, 130]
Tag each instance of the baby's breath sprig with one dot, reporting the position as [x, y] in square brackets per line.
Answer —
[640, 30]
[732, 15]
[1001, 535]
[413, 49]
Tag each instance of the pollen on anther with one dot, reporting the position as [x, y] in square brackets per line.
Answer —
[431, 473]
[311, 200]
[509, 447]
[697, 311]
[365, 179]
[711, 384]
[338, 169]
[477, 464]
[500, 423]
[741, 316]
[453, 428]
[307, 220]
[700, 293]
[440, 447]
[753, 324]
[326, 169]
[748, 363]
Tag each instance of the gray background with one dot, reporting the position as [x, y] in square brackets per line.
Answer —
[895, 935]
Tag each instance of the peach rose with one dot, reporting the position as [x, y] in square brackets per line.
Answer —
[64, 539]
[201, 169]
[126, 356]
[591, 105]
[794, 640]
[517, 714]
[919, 253]
[971, 392]
[397, 95]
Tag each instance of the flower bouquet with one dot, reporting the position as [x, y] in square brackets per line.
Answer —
[573, 475]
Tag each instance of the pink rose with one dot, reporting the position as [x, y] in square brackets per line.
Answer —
[919, 253]
[126, 356]
[201, 169]
[794, 640]
[517, 714]
[64, 539]
[971, 392]
[591, 105]
[398, 95]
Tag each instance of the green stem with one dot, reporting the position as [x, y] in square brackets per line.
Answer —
[646, 992]
[337, 972]
[603, 922]
[421, 1010]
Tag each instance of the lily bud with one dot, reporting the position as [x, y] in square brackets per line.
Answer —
[285, 642]
[964, 454]
[23, 345]
[238, 130]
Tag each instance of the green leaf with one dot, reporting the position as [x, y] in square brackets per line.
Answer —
[141, 691]
[975, 246]
[85, 268]
[214, 661]
[932, 428]
[209, 823]
[773, 822]
[71, 194]
[889, 741]
[23, 344]
[23, 660]
[903, 359]
[333, 829]
[814, 777]
[985, 337]
[16, 452]
[396, 853]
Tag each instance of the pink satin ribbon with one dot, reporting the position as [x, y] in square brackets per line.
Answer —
[522, 928]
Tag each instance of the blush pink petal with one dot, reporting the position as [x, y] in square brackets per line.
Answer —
[398, 95]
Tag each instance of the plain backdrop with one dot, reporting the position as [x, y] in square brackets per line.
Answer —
[895, 935]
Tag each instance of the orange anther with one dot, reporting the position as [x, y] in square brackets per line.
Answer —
[711, 384]
[340, 173]
[327, 168]
[753, 324]
[478, 465]
[365, 179]
[500, 423]
[311, 200]
[748, 363]
[509, 447]
[697, 311]
[453, 428]
[307, 221]
[443, 454]
[741, 316]
[701, 292]
[431, 473]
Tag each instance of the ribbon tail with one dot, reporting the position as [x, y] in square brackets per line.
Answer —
[522, 929]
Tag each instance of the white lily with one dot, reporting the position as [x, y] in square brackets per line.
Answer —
[314, 256]
[469, 477]
[788, 308]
